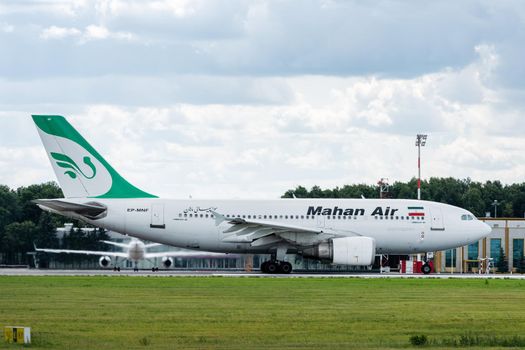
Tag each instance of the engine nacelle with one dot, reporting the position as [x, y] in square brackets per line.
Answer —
[357, 251]
[104, 261]
[167, 262]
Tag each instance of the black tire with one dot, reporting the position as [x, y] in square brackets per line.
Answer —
[264, 267]
[426, 269]
[286, 267]
[118, 269]
[273, 267]
[152, 269]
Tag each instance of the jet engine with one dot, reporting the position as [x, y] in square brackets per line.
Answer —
[358, 251]
[167, 262]
[104, 261]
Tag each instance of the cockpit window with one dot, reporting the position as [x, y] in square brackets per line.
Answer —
[466, 217]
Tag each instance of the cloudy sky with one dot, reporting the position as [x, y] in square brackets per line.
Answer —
[241, 99]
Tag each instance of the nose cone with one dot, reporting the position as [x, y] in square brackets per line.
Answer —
[486, 229]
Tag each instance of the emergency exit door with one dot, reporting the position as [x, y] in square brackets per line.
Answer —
[157, 216]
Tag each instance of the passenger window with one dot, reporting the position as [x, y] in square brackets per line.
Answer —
[397, 217]
[185, 215]
[375, 217]
[328, 217]
[302, 217]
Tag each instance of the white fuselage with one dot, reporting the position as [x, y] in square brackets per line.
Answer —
[398, 226]
[136, 250]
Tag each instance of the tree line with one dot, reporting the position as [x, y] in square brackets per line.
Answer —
[477, 197]
[23, 225]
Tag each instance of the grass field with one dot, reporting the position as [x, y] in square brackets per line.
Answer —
[253, 313]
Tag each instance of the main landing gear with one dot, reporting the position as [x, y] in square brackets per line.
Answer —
[426, 268]
[275, 266]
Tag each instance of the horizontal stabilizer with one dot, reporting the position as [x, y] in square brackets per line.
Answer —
[89, 210]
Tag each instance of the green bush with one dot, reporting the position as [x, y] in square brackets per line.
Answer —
[419, 340]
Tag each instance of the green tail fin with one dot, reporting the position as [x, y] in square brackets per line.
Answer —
[80, 169]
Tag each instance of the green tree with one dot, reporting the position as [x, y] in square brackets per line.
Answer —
[520, 266]
[502, 262]
[30, 211]
[473, 200]
[18, 239]
[46, 234]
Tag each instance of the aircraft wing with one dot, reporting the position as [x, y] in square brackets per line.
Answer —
[260, 233]
[85, 252]
[189, 254]
[116, 244]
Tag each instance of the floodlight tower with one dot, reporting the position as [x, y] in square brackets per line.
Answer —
[421, 140]
[495, 204]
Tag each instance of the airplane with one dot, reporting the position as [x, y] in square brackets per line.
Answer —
[135, 251]
[338, 231]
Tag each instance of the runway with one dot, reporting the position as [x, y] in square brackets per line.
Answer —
[254, 274]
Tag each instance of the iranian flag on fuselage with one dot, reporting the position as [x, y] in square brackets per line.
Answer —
[416, 211]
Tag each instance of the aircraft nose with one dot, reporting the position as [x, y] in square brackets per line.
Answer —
[485, 229]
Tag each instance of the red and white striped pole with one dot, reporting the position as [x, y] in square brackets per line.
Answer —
[421, 140]
[418, 171]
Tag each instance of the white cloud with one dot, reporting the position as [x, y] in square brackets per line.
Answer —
[96, 32]
[6, 27]
[91, 32]
[248, 99]
[55, 32]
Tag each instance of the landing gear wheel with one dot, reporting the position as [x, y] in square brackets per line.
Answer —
[264, 267]
[426, 269]
[286, 267]
[273, 267]
[118, 269]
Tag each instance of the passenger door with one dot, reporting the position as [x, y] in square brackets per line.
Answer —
[157, 216]
[436, 217]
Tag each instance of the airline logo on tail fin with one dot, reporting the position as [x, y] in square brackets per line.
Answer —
[81, 171]
[64, 161]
